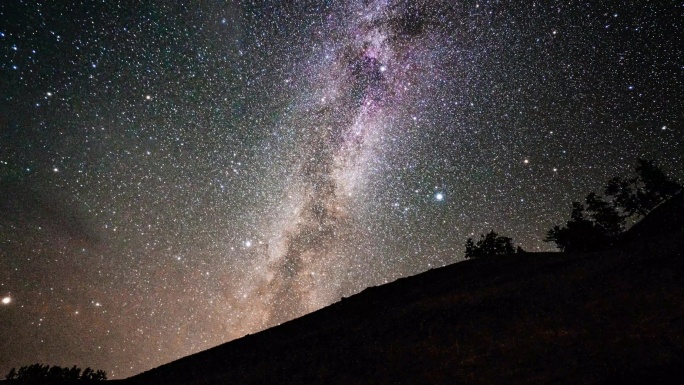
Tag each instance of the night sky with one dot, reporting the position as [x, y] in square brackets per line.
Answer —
[173, 177]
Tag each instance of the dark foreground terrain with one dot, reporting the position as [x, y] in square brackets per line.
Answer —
[612, 317]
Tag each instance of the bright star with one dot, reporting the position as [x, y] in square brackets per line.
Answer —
[439, 196]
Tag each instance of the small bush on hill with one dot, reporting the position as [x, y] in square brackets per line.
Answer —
[490, 245]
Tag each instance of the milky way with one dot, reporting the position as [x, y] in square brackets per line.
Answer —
[174, 177]
[362, 82]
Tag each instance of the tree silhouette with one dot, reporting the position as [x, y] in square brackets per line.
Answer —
[90, 374]
[100, 375]
[595, 226]
[605, 215]
[74, 373]
[87, 374]
[11, 375]
[639, 195]
[599, 223]
[56, 373]
[490, 245]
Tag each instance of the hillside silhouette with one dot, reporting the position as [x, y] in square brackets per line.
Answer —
[608, 317]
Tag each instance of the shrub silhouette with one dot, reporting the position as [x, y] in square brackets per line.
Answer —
[598, 224]
[40, 373]
[490, 245]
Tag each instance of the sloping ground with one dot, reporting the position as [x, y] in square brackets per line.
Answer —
[610, 317]
[663, 219]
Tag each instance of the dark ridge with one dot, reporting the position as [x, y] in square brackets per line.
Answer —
[664, 218]
[610, 317]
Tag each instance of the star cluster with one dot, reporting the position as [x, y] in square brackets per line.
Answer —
[176, 176]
